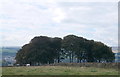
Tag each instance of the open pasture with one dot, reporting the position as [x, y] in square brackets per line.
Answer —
[58, 70]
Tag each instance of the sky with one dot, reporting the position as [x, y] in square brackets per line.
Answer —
[22, 20]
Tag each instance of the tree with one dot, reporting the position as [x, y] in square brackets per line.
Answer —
[80, 50]
[71, 44]
[67, 44]
[43, 50]
[102, 52]
[40, 50]
[56, 45]
[89, 53]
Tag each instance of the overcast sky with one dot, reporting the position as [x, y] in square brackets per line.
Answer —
[21, 20]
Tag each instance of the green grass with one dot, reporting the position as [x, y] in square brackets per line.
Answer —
[57, 70]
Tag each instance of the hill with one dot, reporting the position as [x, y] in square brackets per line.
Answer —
[9, 51]
[8, 55]
[115, 49]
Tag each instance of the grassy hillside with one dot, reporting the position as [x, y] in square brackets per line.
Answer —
[9, 51]
[57, 70]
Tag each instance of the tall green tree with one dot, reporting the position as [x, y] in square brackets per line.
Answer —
[71, 44]
[56, 45]
[40, 50]
[80, 50]
[101, 52]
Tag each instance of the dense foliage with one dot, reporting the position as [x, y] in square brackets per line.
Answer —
[46, 50]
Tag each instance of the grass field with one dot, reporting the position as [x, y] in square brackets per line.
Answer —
[57, 70]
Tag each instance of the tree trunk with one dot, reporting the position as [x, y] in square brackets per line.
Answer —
[58, 59]
[77, 60]
[72, 57]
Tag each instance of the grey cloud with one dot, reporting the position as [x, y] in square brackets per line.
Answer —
[88, 20]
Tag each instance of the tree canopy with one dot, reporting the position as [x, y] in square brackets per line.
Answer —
[44, 50]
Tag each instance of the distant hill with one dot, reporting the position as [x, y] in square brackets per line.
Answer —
[115, 49]
[117, 54]
[9, 51]
[117, 57]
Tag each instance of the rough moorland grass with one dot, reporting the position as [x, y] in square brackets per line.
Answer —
[0, 71]
[57, 70]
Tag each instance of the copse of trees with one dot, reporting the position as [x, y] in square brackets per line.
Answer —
[41, 49]
[44, 50]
